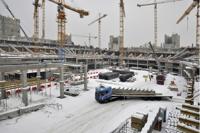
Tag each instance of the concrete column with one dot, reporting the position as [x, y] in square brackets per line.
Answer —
[150, 69]
[2, 74]
[147, 63]
[38, 79]
[85, 77]
[23, 78]
[166, 66]
[25, 96]
[181, 69]
[61, 82]
[95, 64]
[81, 71]
[86, 61]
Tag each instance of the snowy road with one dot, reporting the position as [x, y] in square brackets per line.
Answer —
[81, 114]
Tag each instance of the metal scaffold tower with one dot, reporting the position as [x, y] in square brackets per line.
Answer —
[36, 21]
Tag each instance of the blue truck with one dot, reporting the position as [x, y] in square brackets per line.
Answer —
[105, 94]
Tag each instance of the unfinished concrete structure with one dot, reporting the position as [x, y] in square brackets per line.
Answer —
[20, 51]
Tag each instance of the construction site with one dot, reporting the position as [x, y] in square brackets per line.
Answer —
[62, 79]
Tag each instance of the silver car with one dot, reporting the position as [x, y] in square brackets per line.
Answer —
[71, 91]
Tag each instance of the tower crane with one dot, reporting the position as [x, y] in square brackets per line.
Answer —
[121, 29]
[99, 27]
[155, 3]
[61, 19]
[85, 36]
[195, 3]
[36, 20]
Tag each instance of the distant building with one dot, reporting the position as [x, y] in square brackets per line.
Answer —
[68, 39]
[9, 27]
[114, 43]
[172, 41]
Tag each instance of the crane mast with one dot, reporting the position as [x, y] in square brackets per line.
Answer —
[121, 47]
[61, 19]
[43, 19]
[155, 25]
[99, 31]
[36, 20]
[198, 27]
[99, 27]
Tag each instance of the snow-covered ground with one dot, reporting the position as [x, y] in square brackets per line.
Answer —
[82, 114]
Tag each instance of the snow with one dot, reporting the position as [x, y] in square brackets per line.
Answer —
[82, 114]
[151, 117]
[189, 127]
[138, 115]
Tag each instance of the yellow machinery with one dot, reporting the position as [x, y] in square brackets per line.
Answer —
[61, 18]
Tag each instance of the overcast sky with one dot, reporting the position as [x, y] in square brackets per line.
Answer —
[139, 22]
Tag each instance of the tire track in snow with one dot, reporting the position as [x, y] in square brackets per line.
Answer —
[84, 121]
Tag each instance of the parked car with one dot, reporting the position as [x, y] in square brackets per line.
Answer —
[72, 91]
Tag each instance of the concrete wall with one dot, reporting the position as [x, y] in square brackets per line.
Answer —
[20, 111]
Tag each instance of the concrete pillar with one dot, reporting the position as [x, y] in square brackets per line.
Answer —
[81, 71]
[86, 61]
[2, 74]
[95, 64]
[85, 77]
[25, 96]
[38, 79]
[150, 69]
[23, 78]
[181, 69]
[166, 66]
[147, 63]
[61, 82]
